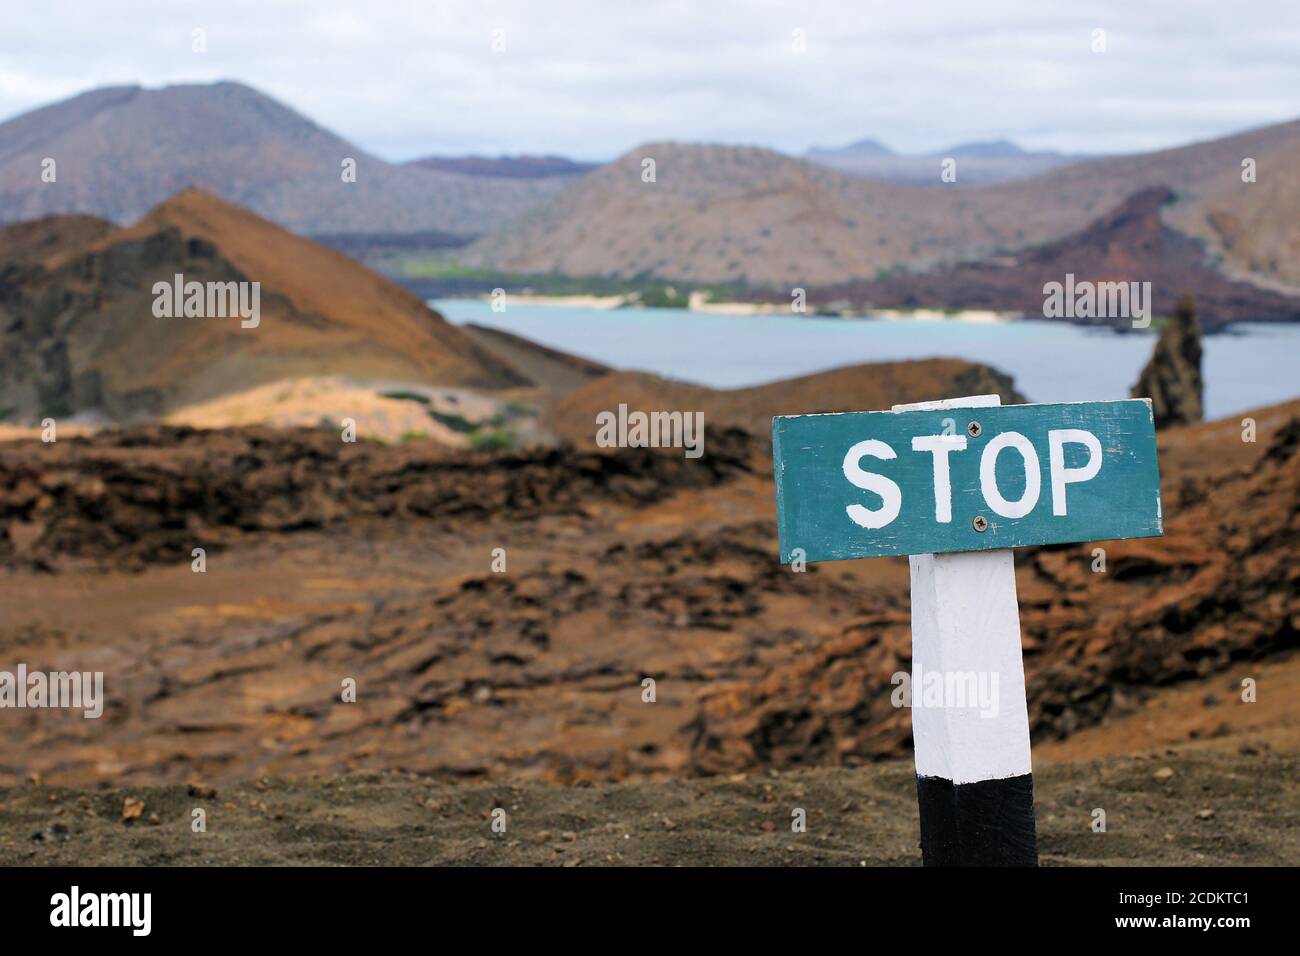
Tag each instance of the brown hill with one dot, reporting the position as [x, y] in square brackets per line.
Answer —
[1130, 243]
[1250, 227]
[79, 331]
[724, 213]
[1065, 200]
[122, 150]
[31, 243]
[853, 388]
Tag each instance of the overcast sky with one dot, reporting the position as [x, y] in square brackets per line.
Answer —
[593, 78]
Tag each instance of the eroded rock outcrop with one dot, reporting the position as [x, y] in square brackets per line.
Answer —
[1172, 378]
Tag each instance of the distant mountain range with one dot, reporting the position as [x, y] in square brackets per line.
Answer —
[861, 148]
[874, 147]
[506, 167]
[714, 213]
[119, 151]
[979, 163]
[719, 213]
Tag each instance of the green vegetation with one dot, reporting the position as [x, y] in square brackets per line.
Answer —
[407, 397]
[457, 423]
[489, 433]
[493, 440]
[516, 409]
[58, 408]
[6, 411]
[441, 266]
[664, 297]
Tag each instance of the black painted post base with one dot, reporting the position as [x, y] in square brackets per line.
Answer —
[988, 823]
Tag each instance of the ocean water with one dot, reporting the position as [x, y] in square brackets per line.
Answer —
[1255, 364]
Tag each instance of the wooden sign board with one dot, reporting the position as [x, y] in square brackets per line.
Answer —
[869, 484]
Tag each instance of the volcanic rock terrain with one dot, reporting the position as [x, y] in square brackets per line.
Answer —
[327, 562]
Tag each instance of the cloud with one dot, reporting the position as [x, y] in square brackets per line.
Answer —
[406, 78]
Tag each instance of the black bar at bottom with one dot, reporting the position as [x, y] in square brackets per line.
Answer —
[326, 908]
[989, 823]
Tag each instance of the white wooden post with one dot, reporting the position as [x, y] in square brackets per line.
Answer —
[973, 770]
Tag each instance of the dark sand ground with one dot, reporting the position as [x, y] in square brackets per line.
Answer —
[1207, 812]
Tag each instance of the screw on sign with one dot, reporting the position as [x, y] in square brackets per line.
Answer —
[872, 484]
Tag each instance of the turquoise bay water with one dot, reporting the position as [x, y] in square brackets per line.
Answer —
[1256, 364]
